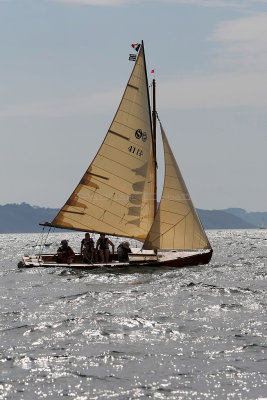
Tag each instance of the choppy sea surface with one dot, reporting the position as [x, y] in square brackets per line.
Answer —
[191, 333]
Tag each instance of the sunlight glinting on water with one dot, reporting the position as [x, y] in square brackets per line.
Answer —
[195, 333]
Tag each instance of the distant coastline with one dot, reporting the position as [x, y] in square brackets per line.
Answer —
[24, 218]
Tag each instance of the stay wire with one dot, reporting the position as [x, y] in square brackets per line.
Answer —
[39, 237]
[43, 243]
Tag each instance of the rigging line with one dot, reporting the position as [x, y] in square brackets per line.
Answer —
[42, 244]
[39, 237]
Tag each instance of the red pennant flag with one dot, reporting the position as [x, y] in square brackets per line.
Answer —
[136, 46]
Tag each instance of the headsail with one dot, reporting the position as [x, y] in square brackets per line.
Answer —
[115, 195]
[176, 225]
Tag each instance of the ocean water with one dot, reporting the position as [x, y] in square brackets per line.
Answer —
[191, 333]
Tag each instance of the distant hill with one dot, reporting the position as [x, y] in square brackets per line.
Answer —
[255, 218]
[23, 218]
[219, 219]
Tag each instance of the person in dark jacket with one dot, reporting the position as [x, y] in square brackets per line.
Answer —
[87, 254]
[65, 254]
[123, 251]
[103, 245]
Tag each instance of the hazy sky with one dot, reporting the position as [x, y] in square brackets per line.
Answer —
[64, 66]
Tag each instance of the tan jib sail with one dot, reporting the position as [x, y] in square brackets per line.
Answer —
[115, 195]
[176, 225]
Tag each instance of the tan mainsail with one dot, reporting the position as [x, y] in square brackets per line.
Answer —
[176, 225]
[115, 195]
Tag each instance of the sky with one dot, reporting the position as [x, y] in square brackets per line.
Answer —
[63, 69]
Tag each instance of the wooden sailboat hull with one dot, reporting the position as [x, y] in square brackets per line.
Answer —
[174, 259]
[188, 260]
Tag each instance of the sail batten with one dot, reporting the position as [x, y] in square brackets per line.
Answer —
[132, 86]
[176, 224]
[118, 134]
[73, 212]
[115, 194]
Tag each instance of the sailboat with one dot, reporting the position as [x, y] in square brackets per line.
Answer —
[262, 226]
[117, 195]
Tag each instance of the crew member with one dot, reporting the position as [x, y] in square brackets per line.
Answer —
[103, 245]
[87, 253]
[91, 243]
[65, 254]
[123, 251]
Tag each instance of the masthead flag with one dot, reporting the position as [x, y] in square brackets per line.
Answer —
[132, 57]
[136, 46]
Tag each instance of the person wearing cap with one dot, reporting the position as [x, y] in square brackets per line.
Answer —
[123, 251]
[65, 254]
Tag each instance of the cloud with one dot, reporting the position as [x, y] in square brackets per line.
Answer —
[241, 53]
[203, 3]
[214, 91]
[217, 3]
[206, 3]
[243, 43]
[111, 3]
[94, 103]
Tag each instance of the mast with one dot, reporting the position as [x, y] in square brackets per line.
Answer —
[154, 136]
